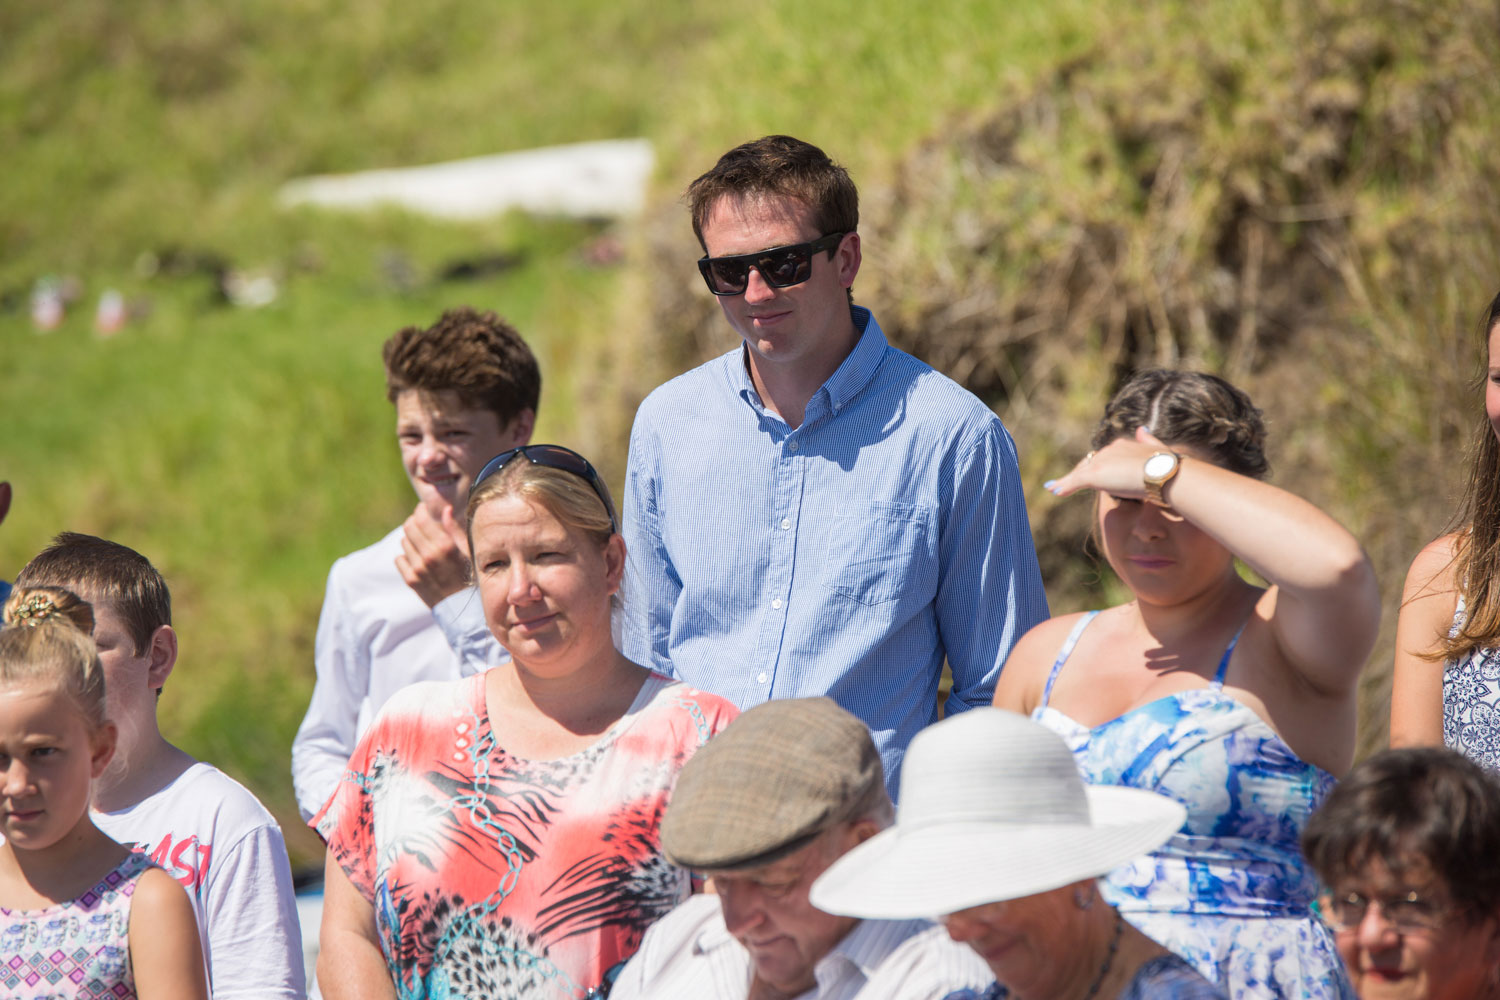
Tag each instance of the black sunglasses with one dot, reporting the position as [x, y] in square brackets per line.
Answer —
[779, 266]
[553, 456]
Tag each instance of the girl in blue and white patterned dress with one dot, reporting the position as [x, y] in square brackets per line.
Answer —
[1446, 685]
[1237, 700]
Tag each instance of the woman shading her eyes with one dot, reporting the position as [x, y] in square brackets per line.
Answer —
[1235, 699]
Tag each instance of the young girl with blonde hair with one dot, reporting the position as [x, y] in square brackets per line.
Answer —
[80, 915]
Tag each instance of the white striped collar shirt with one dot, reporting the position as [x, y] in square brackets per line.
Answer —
[690, 955]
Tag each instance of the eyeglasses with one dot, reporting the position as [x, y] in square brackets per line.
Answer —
[553, 456]
[1405, 912]
[781, 267]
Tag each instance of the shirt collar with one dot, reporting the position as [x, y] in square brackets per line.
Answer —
[859, 367]
[850, 378]
[714, 935]
[872, 941]
[865, 947]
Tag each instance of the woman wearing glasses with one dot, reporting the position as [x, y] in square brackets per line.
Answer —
[1407, 845]
[497, 836]
[1235, 699]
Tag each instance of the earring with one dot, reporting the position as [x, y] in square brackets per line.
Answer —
[1084, 901]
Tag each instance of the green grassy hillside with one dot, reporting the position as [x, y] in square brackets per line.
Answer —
[243, 450]
[1053, 191]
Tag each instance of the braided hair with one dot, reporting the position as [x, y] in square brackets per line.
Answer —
[1193, 409]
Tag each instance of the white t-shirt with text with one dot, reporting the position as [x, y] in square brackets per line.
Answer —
[211, 834]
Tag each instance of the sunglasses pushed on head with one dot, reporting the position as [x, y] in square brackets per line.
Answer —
[553, 456]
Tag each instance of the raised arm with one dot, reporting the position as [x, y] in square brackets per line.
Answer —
[1326, 604]
[1427, 605]
[165, 954]
[434, 559]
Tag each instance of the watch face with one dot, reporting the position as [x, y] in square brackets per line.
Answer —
[1160, 464]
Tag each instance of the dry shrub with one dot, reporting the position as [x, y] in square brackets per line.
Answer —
[1304, 208]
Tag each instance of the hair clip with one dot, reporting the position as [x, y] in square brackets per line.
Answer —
[33, 611]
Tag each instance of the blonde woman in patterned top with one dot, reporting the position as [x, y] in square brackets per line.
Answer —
[496, 837]
[80, 915]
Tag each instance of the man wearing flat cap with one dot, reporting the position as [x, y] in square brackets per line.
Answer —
[763, 809]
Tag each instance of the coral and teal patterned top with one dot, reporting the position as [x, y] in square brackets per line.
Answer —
[495, 877]
[1230, 891]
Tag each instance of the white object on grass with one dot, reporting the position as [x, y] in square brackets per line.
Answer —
[586, 179]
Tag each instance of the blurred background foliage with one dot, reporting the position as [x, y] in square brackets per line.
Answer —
[1295, 194]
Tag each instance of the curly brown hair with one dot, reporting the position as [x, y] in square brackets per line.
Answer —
[1190, 408]
[476, 355]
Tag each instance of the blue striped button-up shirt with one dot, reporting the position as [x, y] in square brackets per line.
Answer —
[844, 557]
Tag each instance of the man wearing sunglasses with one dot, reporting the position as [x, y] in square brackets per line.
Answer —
[817, 512]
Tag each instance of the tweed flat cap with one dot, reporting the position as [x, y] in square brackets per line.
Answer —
[774, 779]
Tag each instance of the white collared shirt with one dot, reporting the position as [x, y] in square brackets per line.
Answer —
[690, 955]
[376, 636]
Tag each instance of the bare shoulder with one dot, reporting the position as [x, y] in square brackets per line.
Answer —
[164, 945]
[1432, 571]
[158, 892]
[1025, 675]
[1429, 599]
[1428, 603]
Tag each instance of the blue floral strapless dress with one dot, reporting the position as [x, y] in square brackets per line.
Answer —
[1230, 891]
[1471, 701]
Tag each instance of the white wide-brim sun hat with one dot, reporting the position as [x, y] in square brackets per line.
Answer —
[992, 808]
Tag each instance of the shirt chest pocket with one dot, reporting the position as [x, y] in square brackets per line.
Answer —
[879, 552]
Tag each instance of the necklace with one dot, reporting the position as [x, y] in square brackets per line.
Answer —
[1109, 960]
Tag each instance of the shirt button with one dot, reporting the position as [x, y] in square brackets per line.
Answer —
[792, 446]
[786, 523]
[776, 604]
[761, 677]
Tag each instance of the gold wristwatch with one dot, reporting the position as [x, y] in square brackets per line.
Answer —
[1158, 472]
